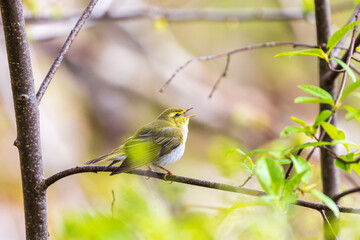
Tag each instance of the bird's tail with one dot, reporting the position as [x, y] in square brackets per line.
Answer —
[115, 155]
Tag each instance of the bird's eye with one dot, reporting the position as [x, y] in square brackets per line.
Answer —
[177, 115]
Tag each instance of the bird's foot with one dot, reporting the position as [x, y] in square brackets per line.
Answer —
[168, 172]
[146, 172]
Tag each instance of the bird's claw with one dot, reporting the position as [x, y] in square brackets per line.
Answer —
[146, 172]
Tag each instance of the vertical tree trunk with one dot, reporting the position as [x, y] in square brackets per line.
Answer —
[329, 173]
[27, 119]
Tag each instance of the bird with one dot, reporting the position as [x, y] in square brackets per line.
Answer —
[158, 143]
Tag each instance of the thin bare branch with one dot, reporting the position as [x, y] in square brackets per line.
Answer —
[190, 15]
[208, 14]
[185, 180]
[345, 193]
[334, 69]
[322, 212]
[44, 85]
[348, 59]
[331, 75]
[229, 53]
[247, 180]
[287, 174]
[223, 75]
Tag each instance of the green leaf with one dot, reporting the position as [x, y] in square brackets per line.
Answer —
[298, 121]
[314, 100]
[344, 166]
[345, 67]
[322, 117]
[309, 131]
[333, 132]
[328, 201]
[246, 162]
[356, 168]
[246, 167]
[237, 150]
[291, 184]
[316, 91]
[302, 167]
[352, 113]
[338, 35]
[352, 87]
[259, 151]
[305, 145]
[283, 161]
[290, 130]
[345, 142]
[270, 176]
[317, 52]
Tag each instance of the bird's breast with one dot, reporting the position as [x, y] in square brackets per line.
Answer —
[171, 157]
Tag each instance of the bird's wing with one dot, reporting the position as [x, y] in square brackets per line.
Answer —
[147, 146]
[116, 155]
[169, 139]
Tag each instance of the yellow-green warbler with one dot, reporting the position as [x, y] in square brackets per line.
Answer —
[159, 143]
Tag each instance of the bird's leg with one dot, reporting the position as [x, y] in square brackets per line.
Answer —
[168, 172]
[146, 172]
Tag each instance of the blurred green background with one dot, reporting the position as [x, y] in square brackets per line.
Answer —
[108, 86]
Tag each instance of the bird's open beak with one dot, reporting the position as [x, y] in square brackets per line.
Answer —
[190, 115]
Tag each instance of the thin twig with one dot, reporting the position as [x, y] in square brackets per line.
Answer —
[334, 155]
[223, 75]
[229, 53]
[334, 69]
[331, 75]
[351, 51]
[355, 59]
[338, 47]
[347, 192]
[247, 180]
[322, 212]
[44, 85]
[191, 181]
[287, 174]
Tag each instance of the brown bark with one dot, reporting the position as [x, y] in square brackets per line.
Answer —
[329, 172]
[27, 119]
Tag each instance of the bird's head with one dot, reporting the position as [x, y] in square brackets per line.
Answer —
[176, 116]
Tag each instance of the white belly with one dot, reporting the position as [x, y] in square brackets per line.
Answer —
[172, 157]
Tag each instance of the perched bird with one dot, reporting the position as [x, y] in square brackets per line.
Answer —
[158, 143]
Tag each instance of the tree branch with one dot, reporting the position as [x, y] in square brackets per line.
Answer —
[348, 59]
[343, 194]
[330, 76]
[27, 118]
[209, 14]
[329, 172]
[223, 75]
[190, 15]
[54, 67]
[229, 53]
[179, 179]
